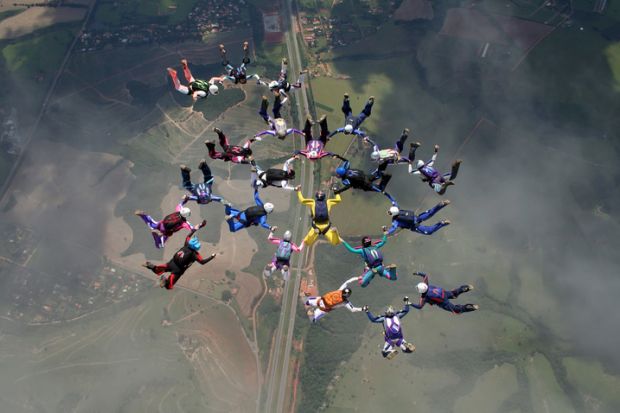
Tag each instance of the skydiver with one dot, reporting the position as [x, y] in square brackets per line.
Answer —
[352, 123]
[277, 123]
[333, 299]
[201, 193]
[170, 224]
[273, 177]
[238, 74]
[405, 219]
[319, 210]
[390, 156]
[197, 88]
[232, 153]
[434, 295]
[427, 173]
[180, 262]
[282, 86]
[358, 179]
[254, 215]
[282, 258]
[315, 147]
[373, 260]
[392, 330]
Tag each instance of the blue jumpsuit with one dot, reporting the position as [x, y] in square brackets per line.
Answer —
[355, 121]
[441, 298]
[201, 193]
[409, 220]
[255, 215]
[392, 331]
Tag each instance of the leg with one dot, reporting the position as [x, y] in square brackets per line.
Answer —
[458, 291]
[457, 308]
[308, 130]
[318, 314]
[313, 301]
[385, 179]
[186, 72]
[429, 230]
[212, 152]
[277, 106]
[246, 53]
[324, 129]
[388, 351]
[400, 143]
[407, 347]
[186, 178]
[148, 220]
[224, 58]
[346, 106]
[159, 269]
[177, 85]
[263, 109]
[430, 212]
[159, 239]
[368, 107]
[223, 139]
[389, 272]
[206, 171]
[367, 278]
[311, 237]
[412, 149]
[332, 236]
[455, 169]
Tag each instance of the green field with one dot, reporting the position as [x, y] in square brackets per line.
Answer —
[141, 11]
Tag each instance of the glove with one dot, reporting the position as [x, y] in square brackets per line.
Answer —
[406, 299]
[213, 255]
[203, 223]
[365, 309]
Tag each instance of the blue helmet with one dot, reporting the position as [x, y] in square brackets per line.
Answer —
[341, 171]
[194, 243]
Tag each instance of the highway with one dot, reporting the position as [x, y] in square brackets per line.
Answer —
[277, 382]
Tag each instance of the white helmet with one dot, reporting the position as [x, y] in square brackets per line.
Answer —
[394, 210]
[268, 207]
[422, 288]
[287, 236]
[375, 155]
[280, 127]
[273, 84]
[419, 164]
[185, 212]
[348, 129]
[214, 90]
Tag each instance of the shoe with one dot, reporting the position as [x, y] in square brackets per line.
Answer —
[467, 288]
[410, 347]
[139, 212]
[445, 202]
[471, 307]
[209, 142]
[186, 168]
[436, 148]
[446, 222]
[390, 355]
[217, 130]
[221, 47]
[284, 61]
[309, 119]
[371, 99]
[415, 144]
[148, 265]
[322, 118]
[457, 162]
[163, 280]
[406, 131]
[246, 45]
[346, 96]
[172, 72]
[448, 183]
[202, 163]
[184, 62]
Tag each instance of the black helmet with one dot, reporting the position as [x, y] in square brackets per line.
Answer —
[291, 174]
[366, 241]
[319, 196]
[346, 293]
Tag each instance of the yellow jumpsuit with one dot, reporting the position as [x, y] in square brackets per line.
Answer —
[320, 227]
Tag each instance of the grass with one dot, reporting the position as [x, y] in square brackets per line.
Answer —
[490, 391]
[545, 392]
[594, 384]
[9, 13]
[142, 11]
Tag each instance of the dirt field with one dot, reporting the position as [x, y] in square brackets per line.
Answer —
[36, 18]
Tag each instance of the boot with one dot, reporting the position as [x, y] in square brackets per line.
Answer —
[217, 130]
[202, 164]
[455, 169]
[184, 62]
[471, 307]
[185, 168]
[149, 265]
[467, 288]
[139, 212]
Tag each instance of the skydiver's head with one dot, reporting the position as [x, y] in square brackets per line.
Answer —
[194, 243]
[375, 155]
[185, 212]
[319, 196]
[389, 311]
[214, 90]
[366, 241]
[280, 127]
[421, 288]
[341, 171]
[419, 164]
[247, 151]
[287, 236]
[393, 211]
[346, 293]
[313, 154]
[273, 85]
[268, 207]
[348, 129]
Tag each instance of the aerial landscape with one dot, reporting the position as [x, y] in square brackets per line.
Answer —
[94, 138]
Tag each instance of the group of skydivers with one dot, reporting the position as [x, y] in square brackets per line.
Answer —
[319, 206]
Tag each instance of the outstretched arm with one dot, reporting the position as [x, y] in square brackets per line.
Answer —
[423, 275]
[339, 130]
[350, 248]
[263, 222]
[333, 201]
[203, 261]
[351, 307]
[265, 132]
[420, 304]
[347, 282]
[382, 242]
[373, 319]
[257, 198]
[272, 239]
[305, 201]
[402, 313]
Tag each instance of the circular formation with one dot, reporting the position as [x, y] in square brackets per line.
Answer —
[319, 205]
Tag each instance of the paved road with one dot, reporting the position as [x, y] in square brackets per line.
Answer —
[278, 376]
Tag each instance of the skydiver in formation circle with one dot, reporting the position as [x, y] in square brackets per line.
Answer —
[254, 215]
[392, 330]
[201, 193]
[358, 179]
[429, 174]
[332, 300]
[390, 156]
[351, 122]
[315, 148]
[232, 153]
[282, 258]
[433, 295]
[171, 223]
[278, 178]
[180, 262]
[373, 260]
[196, 88]
[238, 74]
[319, 211]
[277, 124]
[405, 219]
